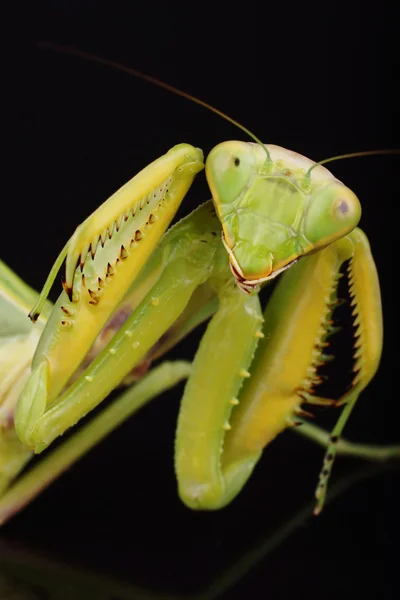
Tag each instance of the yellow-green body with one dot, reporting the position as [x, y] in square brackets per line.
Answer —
[131, 291]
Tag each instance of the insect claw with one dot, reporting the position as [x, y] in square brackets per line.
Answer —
[83, 256]
[303, 413]
[321, 345]
[66, 289]
[292, 423]
[93, 248]
[326, 358]
[103, 237]
[118, 222]
[339, 302]
[94, 297]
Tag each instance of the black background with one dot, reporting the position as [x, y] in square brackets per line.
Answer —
[317, 78]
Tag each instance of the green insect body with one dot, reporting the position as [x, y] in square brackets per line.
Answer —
[132, 291]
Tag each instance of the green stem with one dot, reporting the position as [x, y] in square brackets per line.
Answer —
[345, 447]
[39, 477]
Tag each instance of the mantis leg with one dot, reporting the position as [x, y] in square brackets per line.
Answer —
[218, 371]
[283, 373]
[366, 300]
[187, 265]
[104, 257]
[297, 322]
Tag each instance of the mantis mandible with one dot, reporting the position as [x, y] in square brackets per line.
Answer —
[133, 288]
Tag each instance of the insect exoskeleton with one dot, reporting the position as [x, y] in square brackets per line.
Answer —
[272, 212]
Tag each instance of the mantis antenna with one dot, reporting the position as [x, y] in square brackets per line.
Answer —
[352, 155]
[35, 312]
[170, 88]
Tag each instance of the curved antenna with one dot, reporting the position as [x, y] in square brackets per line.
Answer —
[352, 155]
[153, 80]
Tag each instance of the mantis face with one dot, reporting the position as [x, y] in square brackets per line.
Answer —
[272, 212]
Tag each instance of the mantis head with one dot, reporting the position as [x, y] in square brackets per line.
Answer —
[272, 211]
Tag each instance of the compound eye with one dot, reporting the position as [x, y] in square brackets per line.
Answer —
[229, 168]
[334, 211]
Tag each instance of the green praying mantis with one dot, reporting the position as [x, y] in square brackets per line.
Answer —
[133, 287]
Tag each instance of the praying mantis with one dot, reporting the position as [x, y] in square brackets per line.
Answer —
[133, 287]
